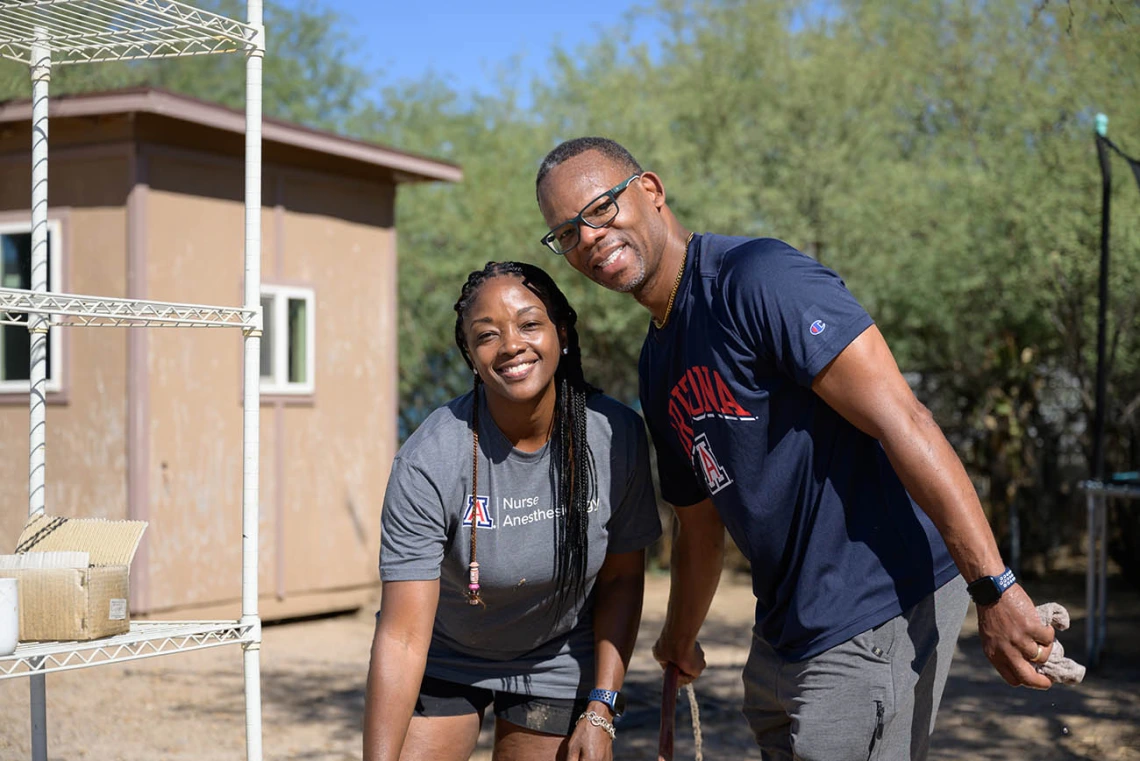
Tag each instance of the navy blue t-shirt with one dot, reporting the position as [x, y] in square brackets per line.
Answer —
[836, 544]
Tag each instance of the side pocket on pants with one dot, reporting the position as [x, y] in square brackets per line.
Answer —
[877, 731]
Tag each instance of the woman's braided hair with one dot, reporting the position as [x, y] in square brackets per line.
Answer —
[572, 461]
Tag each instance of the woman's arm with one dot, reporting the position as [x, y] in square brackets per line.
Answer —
[618, 593]
[399, 654]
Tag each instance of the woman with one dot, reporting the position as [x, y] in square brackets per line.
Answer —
[526, 597]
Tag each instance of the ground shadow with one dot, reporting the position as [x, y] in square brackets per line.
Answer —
[980, 717]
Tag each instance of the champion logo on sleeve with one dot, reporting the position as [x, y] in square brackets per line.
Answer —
[817, 327]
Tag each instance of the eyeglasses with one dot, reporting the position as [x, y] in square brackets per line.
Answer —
[597, 213]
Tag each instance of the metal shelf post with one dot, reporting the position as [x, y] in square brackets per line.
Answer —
[43, 33]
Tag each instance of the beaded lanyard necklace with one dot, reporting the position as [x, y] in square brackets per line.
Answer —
[473, 596]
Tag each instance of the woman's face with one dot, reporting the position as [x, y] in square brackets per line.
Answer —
[512, 341]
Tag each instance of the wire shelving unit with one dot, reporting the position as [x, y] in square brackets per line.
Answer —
[102, 312]
[46, 33]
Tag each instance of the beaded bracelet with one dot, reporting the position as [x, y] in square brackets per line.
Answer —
[598, 720]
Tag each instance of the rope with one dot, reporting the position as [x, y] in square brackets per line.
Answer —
[668, 716]
[695, 714]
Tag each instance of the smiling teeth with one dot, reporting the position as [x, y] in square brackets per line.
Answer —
[611, 258]
[514, 370]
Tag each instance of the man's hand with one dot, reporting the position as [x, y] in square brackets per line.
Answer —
[590, 743]
[1014, 639]
[689, 659]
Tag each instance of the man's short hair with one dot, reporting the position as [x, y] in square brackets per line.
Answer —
[579, 145]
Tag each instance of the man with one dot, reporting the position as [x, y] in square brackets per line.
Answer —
[777, 411]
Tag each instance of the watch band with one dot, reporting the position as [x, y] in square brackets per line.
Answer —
[1005, 581]
[989, 589]
[609, 697]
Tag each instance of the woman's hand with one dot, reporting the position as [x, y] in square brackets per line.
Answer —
[590, 743]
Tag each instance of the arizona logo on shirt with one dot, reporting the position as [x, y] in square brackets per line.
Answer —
[705, 462]
[479, 512]
[700, 394]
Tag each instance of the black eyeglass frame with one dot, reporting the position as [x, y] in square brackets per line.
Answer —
[549, 240]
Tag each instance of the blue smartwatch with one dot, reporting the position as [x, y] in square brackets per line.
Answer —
[988, 589]
[614, 699]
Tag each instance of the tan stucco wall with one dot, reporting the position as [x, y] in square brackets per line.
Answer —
[86, 423]
[340, 449]
[336, 446]
[194, 246]
[324, 459]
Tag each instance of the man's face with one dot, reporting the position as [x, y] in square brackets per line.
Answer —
[622, 254]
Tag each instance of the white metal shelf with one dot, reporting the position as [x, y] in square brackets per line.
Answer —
[46, 33]
[100, 311]
[146, 639]
[84, 31]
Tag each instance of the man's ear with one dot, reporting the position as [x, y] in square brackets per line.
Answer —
[652, 184]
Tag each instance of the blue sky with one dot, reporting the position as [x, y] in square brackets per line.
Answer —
[466, 43]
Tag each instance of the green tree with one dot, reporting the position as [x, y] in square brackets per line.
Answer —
[446, 231]
[940, 156]
[308, 77]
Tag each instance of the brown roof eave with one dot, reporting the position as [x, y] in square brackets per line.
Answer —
[404, 167]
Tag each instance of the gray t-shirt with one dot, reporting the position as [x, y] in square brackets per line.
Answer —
[511, 644]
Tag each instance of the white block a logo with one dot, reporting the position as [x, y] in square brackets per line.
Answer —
[478, 509]
[716, 477]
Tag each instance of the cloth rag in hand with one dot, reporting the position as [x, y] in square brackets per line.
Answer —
[1058, 668]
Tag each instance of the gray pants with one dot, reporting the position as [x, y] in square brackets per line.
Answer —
[872, 697]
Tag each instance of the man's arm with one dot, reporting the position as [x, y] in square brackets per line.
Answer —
[399, 655]
[694, 572]
[864, 385]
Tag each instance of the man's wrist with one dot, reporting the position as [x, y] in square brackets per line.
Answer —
[987, 590]
[676, 640]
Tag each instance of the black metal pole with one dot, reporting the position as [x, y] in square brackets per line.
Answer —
[1102, 313]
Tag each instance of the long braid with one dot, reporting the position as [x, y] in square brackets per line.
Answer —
[572, 464]
[577, 480]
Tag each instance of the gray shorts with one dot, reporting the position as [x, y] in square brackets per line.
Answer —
[874, 696]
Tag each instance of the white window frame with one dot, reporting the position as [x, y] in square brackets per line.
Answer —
[279, 382]
[55, 270]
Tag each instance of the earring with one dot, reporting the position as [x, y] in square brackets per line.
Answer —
[565, 350]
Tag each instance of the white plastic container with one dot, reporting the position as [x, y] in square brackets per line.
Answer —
[9, 616]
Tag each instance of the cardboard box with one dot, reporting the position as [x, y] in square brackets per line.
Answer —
[76, 603]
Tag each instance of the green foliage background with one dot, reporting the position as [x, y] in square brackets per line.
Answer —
[938, 154]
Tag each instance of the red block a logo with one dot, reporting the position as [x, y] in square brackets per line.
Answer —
[716, 477]
[478, 509]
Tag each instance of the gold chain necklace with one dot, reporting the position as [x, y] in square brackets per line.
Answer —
[676, 284]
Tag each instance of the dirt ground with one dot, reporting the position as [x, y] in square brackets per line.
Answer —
[190, 706]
